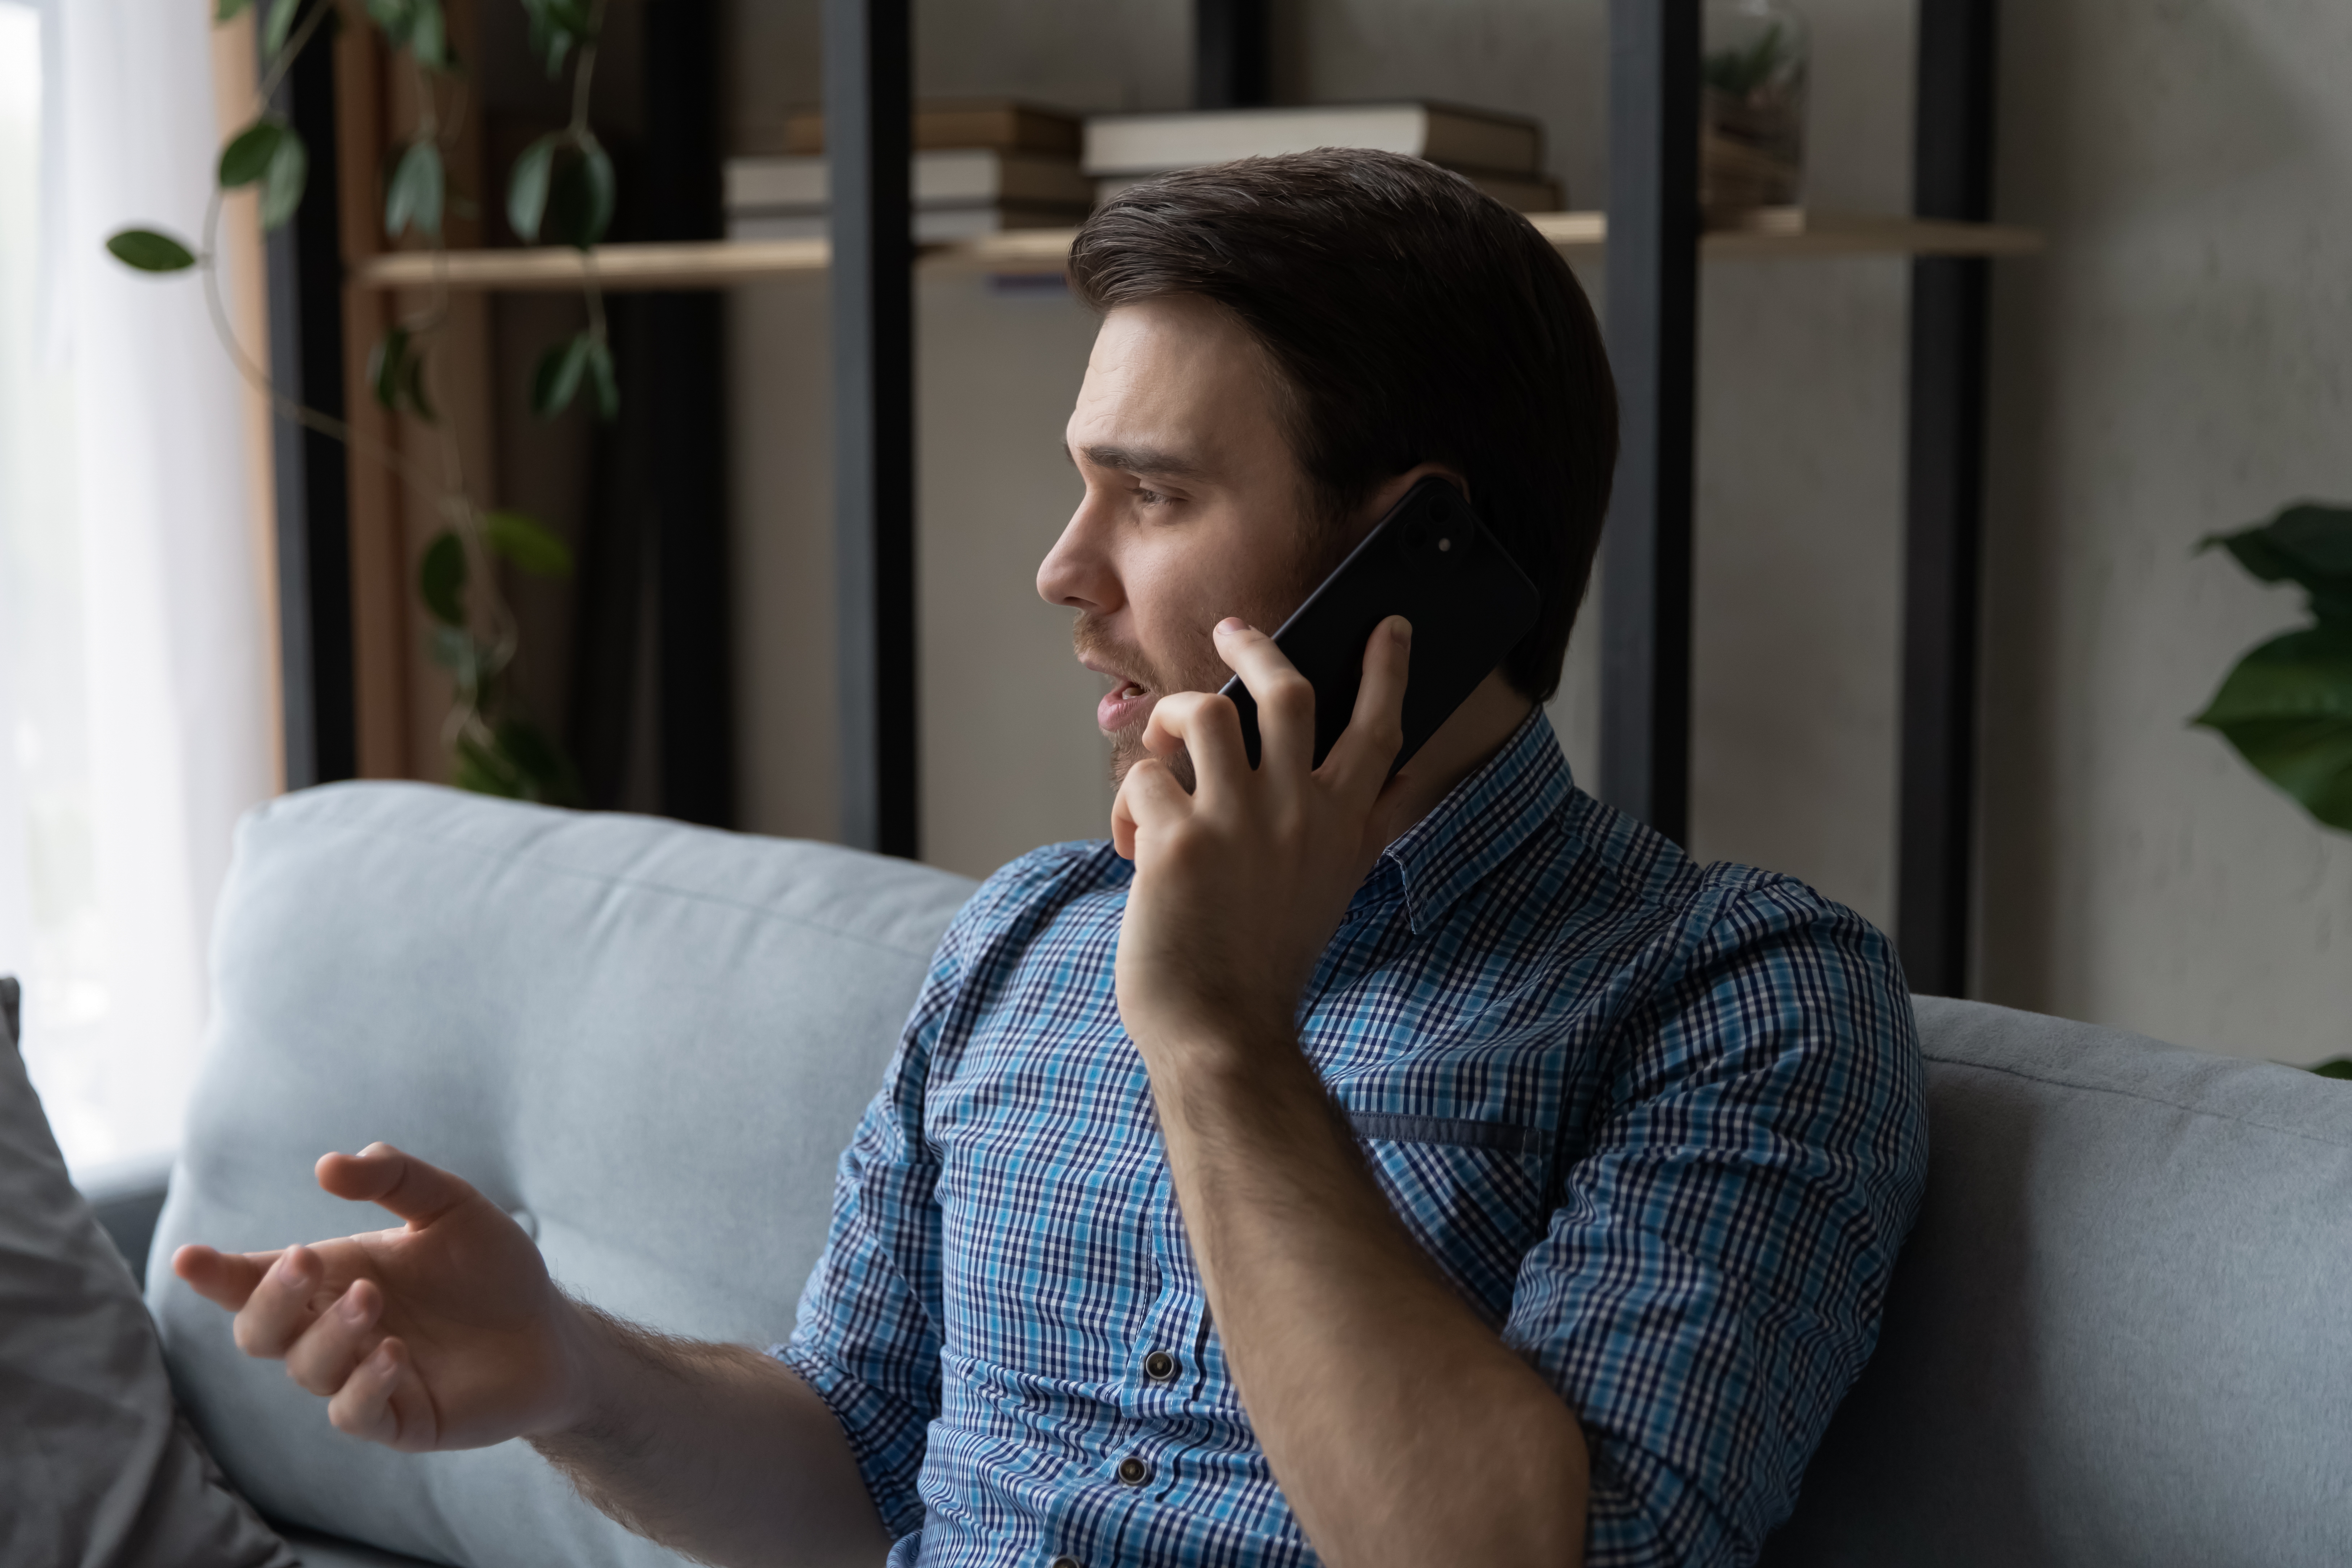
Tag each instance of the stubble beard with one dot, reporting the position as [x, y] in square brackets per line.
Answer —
[1203, 671]
[1127, 749]
[1321, 548]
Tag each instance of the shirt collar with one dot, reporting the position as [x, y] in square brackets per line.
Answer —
[1479, 824]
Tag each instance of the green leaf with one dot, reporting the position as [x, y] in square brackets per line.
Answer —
[387, 365]
[247, 157]
[581, 207]
[557, 380]
[428, 35]
[525, 540]
[2308, 545]
[230, 10]
[483, 771]
[556, 27]
[395, 375]
[413, 196]
[281, 190]
[1739, 72]
[441, 578]
[2317, 537]
[527, 188]
[545, 772]
[2287, 709]
[149, 251]
[2339, 1067]
[278, 28]
[600, 377]
[412, 388]
[395, 17]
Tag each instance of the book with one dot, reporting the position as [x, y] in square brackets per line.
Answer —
[959, 177]
[1464, 138]
[1004, 124]
[1521, 192]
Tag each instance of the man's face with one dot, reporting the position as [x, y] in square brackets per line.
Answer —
[1195, 508]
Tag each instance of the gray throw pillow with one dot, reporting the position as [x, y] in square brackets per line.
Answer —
[97, 1468]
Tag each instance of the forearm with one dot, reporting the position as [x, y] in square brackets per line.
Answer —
[715, 1451]
[1400, 1428]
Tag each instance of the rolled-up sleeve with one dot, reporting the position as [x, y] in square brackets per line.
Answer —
[1712, 1279]
[867, 1336]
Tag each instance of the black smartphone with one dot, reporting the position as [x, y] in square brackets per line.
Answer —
[1432, 561]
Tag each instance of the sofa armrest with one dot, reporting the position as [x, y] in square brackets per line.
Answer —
[128, 1198]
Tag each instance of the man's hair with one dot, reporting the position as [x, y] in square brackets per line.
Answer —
[1412, 320]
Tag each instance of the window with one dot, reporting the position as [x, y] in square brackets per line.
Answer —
[135, 704]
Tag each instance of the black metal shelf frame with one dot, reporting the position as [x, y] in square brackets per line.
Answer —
[1652, 327]
[868, 141]
[1645, 587]
[1645, 577]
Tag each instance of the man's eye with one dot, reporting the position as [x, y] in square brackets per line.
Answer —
[1149, 497]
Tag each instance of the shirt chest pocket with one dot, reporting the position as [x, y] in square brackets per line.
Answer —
[1472, 1193]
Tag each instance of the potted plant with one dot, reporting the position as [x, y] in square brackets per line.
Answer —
[2287, 705]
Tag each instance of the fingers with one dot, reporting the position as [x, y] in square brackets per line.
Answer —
[1205, 724]
[290, 1294]
[324, 1358]
[379, 1173]
[384, 1401]
[1366, 749]
[1149, 798]
[224, 1278]
[1285, 698]
[363, 1405]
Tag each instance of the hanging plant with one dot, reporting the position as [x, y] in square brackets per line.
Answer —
[561, 185]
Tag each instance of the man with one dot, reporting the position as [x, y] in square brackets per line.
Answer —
[1332, 1167]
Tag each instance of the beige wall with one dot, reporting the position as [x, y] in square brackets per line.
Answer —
[1009, 755]
[2177, 365]
[2174, 365]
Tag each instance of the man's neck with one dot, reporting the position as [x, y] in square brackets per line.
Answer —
[1466, 742]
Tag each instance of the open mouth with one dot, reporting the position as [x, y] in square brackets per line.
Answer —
[1124, 706]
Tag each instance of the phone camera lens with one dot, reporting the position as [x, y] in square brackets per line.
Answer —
[1445, 544]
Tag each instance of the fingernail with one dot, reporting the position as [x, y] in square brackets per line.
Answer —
[352, 1308]
[297, 1263]
[381, 1362]
[1402, 630]
[1232, 624]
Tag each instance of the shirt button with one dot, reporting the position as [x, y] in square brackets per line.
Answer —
[1133, 1472]
[1067, 1562]
[1160, 1366]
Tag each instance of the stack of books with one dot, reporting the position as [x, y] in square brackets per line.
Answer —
[981, 167]
[1502, 155]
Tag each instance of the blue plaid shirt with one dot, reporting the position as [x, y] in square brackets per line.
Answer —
[1661, 1124]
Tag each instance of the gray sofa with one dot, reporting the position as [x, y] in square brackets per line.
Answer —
[2121, 1334]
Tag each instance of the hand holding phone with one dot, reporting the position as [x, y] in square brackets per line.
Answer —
[1432, 561]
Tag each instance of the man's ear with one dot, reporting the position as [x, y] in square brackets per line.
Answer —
[1391, 491]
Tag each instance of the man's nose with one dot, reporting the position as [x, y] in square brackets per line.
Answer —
[1077, 573]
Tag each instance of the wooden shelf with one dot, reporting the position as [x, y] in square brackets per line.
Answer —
[711, 264]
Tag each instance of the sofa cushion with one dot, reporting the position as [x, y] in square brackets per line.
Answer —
[332, 1551]
[649, 1041]
[2122, 1332]
[97, 1469]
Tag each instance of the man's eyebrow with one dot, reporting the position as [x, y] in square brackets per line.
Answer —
[1143, 461]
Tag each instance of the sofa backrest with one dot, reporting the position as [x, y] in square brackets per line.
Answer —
[2122, 1332]
[650, 1040]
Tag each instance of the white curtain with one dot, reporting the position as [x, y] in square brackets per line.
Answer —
[137, 677]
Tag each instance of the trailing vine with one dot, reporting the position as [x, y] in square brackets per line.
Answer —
[560, 188]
